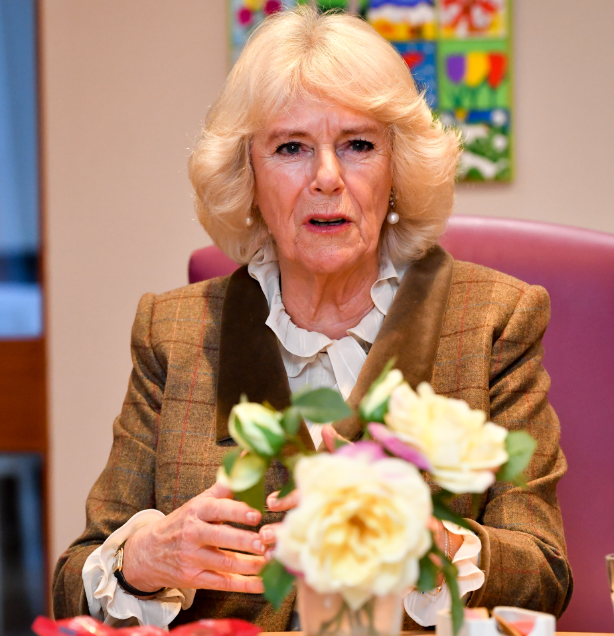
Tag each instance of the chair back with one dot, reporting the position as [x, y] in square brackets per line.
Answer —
[577, 268]
[209, 262]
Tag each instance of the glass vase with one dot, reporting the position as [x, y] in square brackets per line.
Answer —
[329, 614]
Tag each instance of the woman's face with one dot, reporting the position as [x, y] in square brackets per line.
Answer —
[323, 180]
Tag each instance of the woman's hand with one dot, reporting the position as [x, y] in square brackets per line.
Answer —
[193, 547]
[275, 504]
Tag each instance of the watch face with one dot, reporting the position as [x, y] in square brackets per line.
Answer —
[118, 560]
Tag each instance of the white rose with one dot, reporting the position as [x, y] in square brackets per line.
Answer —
[360, 528]
[461, 446]
[246, 472]
[372, 407]
[255, 427]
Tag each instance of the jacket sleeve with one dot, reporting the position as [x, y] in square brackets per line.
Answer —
[126, 485]
[521, 530]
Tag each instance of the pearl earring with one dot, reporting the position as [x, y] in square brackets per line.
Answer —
[249, 221]
[392, 217]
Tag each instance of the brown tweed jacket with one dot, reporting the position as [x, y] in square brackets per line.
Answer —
[472, 332]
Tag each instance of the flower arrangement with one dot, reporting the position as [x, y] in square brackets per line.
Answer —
[361, 528]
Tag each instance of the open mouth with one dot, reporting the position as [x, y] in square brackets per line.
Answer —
[327, 222]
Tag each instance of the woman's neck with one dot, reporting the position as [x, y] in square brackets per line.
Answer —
[329, 304]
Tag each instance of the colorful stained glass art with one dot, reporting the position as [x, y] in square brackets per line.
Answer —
[459, 53]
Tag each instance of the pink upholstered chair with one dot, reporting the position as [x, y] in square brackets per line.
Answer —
[577, 268]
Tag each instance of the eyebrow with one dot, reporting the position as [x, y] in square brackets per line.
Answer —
[298, 134]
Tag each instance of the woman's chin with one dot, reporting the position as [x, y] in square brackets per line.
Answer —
[328, 252]
[329, 259]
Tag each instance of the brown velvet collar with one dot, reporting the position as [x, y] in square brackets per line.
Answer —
[250, 360]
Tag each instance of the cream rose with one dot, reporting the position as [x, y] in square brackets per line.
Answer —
[255, 427]
[462, 448]
[360, 528]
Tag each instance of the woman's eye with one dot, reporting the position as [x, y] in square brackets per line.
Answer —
[290, 148]
[361, 145]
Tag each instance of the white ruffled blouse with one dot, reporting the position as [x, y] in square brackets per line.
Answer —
[309, 358]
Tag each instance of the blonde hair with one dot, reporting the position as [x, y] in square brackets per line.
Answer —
[338, 58]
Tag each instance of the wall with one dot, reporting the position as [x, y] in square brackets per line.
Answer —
[125, 85]
[564, 91]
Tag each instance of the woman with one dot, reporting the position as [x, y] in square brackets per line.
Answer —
[321, 167]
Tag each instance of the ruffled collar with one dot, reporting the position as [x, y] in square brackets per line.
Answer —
[300, 347]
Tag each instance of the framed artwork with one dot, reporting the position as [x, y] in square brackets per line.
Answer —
[459, 53]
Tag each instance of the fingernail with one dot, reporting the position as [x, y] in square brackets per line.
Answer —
[253, 517]
[257, 544]
[271, 500]
[268, 555]
[267, 534]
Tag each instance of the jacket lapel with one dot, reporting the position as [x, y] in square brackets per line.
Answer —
[410, 332]
[249, 360]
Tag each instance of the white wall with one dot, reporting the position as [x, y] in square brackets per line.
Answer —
[125, 85]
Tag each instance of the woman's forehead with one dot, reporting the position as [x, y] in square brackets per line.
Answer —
[312, 116]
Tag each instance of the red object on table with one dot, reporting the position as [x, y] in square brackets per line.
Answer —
[88, 626]
[219, 627]
[576, 267]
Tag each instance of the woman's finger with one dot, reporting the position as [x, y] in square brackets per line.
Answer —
[331, 437]
[228, 582]
[224, 536]
[275, 504]
[220, 510]
[222, 561]
[268, 533]
[218, 491]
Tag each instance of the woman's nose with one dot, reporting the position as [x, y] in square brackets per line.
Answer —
[327, 177]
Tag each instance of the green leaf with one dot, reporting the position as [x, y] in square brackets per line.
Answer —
[443, 496]
[321, 405]
[377, 414]
[291, 421]
[288, 487]
[520, 481]
[240, 431]
[254, 496]
[457, 610]
[228, 461]
[340, 442]
[441, 511]
[428, 574]
[290, 462]
[274, 440]
[277, 583]
[520, 447]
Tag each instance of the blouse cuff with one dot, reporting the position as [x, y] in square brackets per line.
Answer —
[108, 602]
[423, 608]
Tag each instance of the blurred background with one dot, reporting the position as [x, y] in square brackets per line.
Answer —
[100, 102]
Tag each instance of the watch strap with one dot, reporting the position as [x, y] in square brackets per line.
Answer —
[121, 580]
